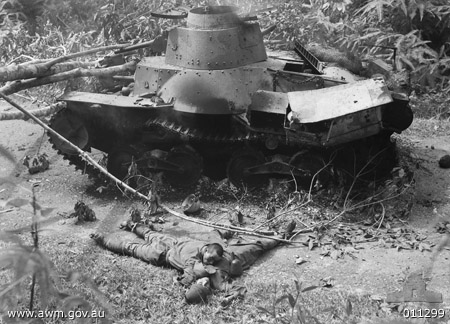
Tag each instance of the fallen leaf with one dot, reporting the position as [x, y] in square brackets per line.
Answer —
[5, 153]
[424, 246]
[300, 261]
[350, 249]
[309, 288]
[46, 211]
[376, 297]
[100, 189]
[17, 202]
[335, 254]
[310, 244]
[327, 282]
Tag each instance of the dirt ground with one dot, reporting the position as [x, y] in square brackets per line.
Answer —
[374, 269]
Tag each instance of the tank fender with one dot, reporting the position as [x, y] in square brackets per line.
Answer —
[269, 102]
[328, 103]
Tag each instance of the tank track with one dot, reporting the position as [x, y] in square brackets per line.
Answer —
[253, 135]
[73, 159]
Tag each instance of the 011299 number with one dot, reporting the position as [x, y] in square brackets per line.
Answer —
[424, 313]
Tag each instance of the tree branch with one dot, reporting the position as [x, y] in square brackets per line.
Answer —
[49, 64]
[16, 86]
[33, 70]
[37, 112]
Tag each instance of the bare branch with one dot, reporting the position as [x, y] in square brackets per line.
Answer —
[37, 112]
[49, 64]
[33, 70]
[76, 73]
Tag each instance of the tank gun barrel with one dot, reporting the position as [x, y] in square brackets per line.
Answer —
[158, 44]
[135, 47]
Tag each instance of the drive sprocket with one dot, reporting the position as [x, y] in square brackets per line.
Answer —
[242, 160]
[71, 127]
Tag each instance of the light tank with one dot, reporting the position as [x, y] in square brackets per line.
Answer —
[216, 103]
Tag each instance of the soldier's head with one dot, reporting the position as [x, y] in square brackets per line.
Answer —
[213, 253]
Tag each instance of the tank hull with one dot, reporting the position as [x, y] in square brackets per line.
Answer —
[216, 103]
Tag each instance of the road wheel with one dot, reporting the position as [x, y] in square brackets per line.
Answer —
[238, 165]
[190, 163]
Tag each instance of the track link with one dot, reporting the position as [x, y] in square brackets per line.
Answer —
[247, 134]
[73, 159]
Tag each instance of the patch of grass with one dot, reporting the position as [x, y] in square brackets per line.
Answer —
[431, 105]
[141, 293]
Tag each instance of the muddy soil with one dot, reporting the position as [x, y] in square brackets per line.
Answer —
[373, 269]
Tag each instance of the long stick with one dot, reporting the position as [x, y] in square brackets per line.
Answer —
[34, 70]
[75, 73]
[281, 214]
[87, 158]
[48, 64]
[30, 69]
[35, 236]
[222, 227]
[37, 112]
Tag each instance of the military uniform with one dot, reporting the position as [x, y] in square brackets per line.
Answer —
[185, 254]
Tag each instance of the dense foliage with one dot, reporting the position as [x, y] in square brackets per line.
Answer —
[416, 31]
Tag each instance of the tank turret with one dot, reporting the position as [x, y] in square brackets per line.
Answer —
[215, 39]
[203, 64]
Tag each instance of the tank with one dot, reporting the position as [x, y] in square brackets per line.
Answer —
[216, 103]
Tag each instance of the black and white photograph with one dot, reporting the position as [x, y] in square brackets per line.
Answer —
[225, 161]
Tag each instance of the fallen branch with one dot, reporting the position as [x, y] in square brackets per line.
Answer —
[281, 214]
[84, 155]
[50, 63]
[303, 231]
[33, 70]
[30, 58]
[16, 86]
[37, 112]
[222, 227]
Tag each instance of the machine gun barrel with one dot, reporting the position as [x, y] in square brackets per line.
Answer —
[135, 47]
[158, 44]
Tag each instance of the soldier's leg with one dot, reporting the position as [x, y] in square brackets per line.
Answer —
[249, 252]
[123, 243]
[116, 242]
[158, 240]
[142, 230]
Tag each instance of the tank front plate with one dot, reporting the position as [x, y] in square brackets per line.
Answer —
[215, 92]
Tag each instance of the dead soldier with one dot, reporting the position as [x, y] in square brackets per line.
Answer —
[206, 264]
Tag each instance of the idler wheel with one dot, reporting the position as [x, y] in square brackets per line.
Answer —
[72, 128]
[119, 161]
[239, 163]
[316, 174]
[190, 164]
[398, 116]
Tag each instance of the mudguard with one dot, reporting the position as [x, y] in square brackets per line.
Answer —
[323, 104]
